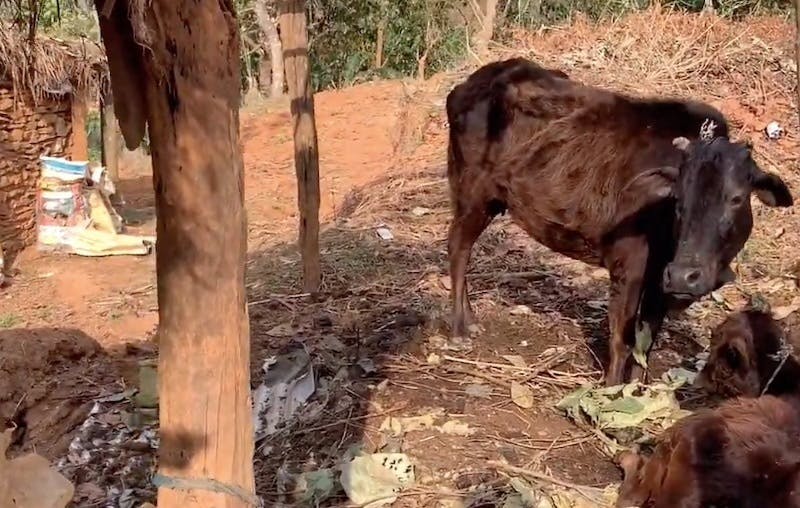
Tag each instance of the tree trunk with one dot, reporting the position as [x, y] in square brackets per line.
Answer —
[79, 150]
[176, 67]
[379, 44]
[306, 156]
[486, 16]
[111, 142]
[797, 51]
[264, 74]
[272, 45]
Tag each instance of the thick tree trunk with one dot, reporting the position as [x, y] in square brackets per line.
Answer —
[176, 66]
[306, 157]
[111, 142]
[272, 45]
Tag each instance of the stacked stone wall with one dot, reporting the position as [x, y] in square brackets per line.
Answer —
[28, 129]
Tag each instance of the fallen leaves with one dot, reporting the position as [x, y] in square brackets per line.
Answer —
[521, 395]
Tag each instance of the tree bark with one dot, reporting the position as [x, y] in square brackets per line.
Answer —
[306, 156]
[79, 150]
[176, 66]
[797, 51]
[111, 144]
[486, 16]
[272, 46]
[265, 74]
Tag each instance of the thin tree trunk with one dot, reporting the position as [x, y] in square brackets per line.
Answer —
[306, 157]
[272, 45]
[486, 17]
[186, 86]
[264, 74]
[379, 44]
[111, 142]
[797, 51]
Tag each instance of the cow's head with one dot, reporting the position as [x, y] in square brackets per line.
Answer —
[713, 219]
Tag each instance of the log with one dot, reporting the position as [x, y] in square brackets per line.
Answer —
[294, 34]
[186, 86]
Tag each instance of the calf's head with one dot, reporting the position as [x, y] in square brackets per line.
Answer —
[713, 218]
[746, 353]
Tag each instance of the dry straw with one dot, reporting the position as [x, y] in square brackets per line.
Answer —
[46, 66]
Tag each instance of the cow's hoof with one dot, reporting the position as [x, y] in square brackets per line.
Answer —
[459, 343]
[638, 374]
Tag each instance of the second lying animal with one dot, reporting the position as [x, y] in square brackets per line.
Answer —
[750, 354]
[615, 181]
[744, 454]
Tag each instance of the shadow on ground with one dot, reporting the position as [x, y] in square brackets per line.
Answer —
[381, 315]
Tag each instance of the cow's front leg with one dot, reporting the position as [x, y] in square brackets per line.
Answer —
[651, 317]
[626, 260]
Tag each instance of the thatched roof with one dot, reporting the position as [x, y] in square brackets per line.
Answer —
[46, 67]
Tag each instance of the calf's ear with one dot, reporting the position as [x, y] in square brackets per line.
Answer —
[770, 189]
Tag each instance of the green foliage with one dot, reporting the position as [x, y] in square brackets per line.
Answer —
[64, 19]
[344, 38]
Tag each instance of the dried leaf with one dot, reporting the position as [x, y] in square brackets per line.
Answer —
[376, 479]
[521, 310]
[384, 234]
[434, 359]
[779, 313]
[521, 395]
[456, 428]
[401, 425]
[516, 361]
[478, 390]
[281, 330]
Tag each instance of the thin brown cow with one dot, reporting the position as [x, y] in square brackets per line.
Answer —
[611, 180]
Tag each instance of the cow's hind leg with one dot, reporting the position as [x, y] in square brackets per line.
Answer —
[467, 226]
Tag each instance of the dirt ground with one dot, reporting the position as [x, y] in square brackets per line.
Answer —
[73, 329]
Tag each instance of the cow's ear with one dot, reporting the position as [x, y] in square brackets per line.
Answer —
[681, 143]
[646, 189]
[734, 355]
[770, 189]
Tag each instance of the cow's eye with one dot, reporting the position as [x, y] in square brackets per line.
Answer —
[737, 200]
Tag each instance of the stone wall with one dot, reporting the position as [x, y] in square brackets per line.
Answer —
[27, 130]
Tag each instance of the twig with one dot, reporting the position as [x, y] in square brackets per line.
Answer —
[278, 297]
[535, 475]
[354, 419]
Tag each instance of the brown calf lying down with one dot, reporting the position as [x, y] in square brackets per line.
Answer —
[750, 355]
[616, 181]
[744, 454]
